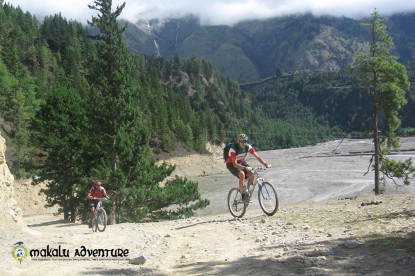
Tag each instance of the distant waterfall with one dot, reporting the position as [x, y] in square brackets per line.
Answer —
[177, 35]
[157, 48]
[150, 30]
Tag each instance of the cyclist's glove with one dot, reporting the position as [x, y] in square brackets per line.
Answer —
[248, 169]
[267, 165]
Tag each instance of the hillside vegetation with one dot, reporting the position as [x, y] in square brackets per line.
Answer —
[183, 102]
[258, 48]
[333, 97]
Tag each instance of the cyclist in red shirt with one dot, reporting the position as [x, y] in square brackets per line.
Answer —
[237, 165]
[96, 192]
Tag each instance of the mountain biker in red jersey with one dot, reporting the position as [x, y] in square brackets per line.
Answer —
[237, 165]
[96, 192]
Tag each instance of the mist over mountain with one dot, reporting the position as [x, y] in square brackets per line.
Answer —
[260, 48]
[247, 40]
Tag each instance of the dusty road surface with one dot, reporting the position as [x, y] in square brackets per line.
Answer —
[328, 223]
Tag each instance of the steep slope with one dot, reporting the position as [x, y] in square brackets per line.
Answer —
[255, 49]
[224, 47]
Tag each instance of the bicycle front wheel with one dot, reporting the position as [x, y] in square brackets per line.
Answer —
[101, 222]
[268, 199]
[235, 203]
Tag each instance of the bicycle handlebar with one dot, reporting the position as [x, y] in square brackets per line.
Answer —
[259, 168]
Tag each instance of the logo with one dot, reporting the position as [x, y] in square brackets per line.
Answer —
[19, 252]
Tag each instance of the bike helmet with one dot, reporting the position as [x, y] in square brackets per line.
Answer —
[96, 182]
[242, 138]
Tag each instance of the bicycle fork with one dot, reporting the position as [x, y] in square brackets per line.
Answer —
[261, 190]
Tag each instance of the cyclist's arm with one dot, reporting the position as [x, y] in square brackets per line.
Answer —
[259, 158]
[235, 163]
[90, 195]
[105, 194]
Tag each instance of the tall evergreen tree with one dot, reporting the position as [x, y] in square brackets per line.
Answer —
[60, 125]
[120, 138]
[387, 81]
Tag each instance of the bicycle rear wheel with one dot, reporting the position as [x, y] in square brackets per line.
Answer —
[268, 199]
[235, 204]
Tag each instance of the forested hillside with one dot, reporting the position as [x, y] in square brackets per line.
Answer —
[258, 48]
[183, 103]
[334, 97]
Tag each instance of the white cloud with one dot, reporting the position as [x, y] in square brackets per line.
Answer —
[217, 11]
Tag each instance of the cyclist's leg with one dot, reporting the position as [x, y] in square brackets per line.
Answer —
[240, 174]
[92, 206]
[250, 177]
[91, 214]
[91, 209]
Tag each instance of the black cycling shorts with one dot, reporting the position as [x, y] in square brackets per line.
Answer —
[235, 171]
[93, 203]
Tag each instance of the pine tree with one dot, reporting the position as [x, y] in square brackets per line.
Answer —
[387, 81]
[60, 125]
[119, 135]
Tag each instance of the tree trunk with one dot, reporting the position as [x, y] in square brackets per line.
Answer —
[377, 153]
[376, 138]
[73, 210]
[113, 211]
[112, 217]
[65, 209]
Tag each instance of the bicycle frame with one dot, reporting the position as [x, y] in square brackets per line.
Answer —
[257, 180]
[99, 206]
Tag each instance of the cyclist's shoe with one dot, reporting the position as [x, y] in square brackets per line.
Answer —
[245, 197]
[90, 223]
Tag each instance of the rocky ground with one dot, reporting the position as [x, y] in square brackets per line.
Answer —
[346, 235]
[366, 235]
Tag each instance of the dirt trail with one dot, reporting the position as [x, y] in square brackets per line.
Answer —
[361, 235]
[366, 235]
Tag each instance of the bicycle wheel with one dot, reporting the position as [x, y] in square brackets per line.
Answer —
[101, 222]
[235, 204]
[268, 199]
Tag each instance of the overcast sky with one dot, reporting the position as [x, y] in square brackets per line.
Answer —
[217, 11]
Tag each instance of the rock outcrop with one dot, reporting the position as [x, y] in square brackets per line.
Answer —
[10, 213]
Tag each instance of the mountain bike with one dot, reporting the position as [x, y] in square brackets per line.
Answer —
[267, 196]
[99, 220]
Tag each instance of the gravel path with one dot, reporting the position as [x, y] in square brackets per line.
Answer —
[328, 223]
[366, 235]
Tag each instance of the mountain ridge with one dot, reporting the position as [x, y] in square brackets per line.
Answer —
[258, 48]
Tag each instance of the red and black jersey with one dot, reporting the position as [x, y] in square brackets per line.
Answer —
[239, 153]
[97, 192]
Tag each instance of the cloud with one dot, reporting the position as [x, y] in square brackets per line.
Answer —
[217, 11]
